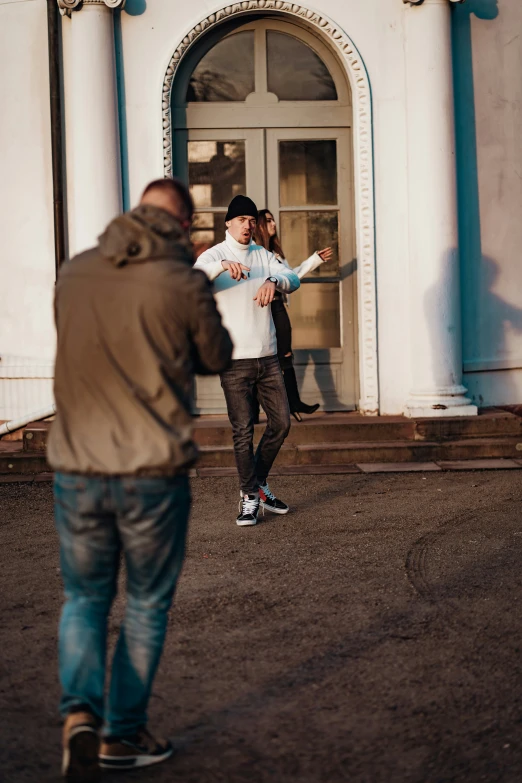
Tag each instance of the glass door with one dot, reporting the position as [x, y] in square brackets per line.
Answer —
[309, 183]
[304, 177]
[221, 164]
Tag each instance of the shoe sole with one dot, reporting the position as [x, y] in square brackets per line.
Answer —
[133, 762]
[246, 524]
[274, 510]
[80, 757]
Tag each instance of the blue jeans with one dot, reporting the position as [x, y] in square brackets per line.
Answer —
[98, 520]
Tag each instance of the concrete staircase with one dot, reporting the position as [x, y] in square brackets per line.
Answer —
[330, 443]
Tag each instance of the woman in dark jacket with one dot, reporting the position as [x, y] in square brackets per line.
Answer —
[266, 235]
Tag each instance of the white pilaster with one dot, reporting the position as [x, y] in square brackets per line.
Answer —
[92, 129]
[436, 362]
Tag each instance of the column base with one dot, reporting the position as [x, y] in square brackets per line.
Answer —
[448, 403]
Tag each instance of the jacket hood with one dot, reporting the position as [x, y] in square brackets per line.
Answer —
[145, 233]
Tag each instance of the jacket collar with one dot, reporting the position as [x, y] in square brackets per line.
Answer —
[145, 233]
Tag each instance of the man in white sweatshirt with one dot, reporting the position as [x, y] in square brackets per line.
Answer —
[245, 278]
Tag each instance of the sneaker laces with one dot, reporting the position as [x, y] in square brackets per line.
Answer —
[248, 505]
[267, 492]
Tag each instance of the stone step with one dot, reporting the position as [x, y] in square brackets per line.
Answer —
[343, 428]
[369, 452]
[318, 457]
[15, 461]
[489, 423]
[351, 427]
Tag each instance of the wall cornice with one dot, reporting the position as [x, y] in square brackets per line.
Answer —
[420, 2]
[67, 6]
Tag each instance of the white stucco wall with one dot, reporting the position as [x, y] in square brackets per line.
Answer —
[27, 258]
[150, 32]
[149, 39]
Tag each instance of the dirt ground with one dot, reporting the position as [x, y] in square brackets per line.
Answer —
[372, 635]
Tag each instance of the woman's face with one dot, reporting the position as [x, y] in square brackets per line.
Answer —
[271, 225]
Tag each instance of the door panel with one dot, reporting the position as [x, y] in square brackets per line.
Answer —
[309, 184]
[221, 164]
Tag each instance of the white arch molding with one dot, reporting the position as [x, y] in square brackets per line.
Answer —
[363, 164]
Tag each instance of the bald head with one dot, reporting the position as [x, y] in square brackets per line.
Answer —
[172, 196]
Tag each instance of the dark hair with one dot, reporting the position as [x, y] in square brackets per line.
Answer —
[176, 188]
[262, 237]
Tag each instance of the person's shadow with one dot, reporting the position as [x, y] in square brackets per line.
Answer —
[489, 317]
[322, 367]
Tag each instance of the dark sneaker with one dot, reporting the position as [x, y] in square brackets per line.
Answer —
[81, 744]
[270, 502]
[141, 750]
[248, 510]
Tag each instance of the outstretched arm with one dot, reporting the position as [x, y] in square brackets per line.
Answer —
[315, 260]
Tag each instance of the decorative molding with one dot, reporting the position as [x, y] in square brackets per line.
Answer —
[420, 2]
[66, 6]
[363, 163]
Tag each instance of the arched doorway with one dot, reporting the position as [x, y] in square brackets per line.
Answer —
[278, 127]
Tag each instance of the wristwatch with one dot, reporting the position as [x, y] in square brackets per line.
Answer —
[273, 280]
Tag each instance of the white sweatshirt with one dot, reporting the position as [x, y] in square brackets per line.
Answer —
[306, 266]
[250, 326]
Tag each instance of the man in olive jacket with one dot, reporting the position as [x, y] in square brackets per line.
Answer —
[134, 322]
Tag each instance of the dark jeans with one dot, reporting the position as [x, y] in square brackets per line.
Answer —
[98, 519]
[239, 382]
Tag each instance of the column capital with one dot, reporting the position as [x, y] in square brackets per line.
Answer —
[67, 6]
[420, 2]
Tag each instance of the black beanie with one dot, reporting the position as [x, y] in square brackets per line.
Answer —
[241, 205]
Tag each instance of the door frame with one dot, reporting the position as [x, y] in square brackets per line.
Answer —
[355, 70]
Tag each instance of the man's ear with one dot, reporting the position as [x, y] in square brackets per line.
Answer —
[227, 223]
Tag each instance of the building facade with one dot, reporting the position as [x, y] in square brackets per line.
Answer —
[390, 130]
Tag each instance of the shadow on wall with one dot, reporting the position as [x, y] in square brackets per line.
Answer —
[499, 314]
[323, 371]
[477, 273]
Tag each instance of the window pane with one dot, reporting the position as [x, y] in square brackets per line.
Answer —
[296, 72]
[216, 172]
[314, 311]
[308, 173]
[302, 233]
[208, 227]
[226, 72]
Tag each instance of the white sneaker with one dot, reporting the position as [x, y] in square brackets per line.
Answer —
[248, 510]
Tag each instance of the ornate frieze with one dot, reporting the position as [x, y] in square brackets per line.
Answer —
[420, 2]
[66, 6]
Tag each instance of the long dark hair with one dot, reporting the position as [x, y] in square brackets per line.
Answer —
[262, 237]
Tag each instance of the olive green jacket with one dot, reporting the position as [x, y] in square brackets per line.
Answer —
[134, 322]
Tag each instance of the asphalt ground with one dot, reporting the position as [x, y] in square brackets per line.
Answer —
[372, 635]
